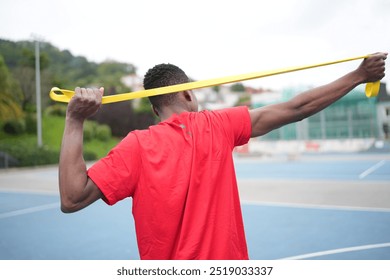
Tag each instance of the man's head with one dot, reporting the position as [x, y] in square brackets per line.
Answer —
[163, 75]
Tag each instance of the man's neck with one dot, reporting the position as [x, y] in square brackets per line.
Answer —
[169, 112]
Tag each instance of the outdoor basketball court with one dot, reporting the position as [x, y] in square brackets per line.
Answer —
[328, 207]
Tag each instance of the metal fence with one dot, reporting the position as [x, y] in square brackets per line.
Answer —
[353, 116]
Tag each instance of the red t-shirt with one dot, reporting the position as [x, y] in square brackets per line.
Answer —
[181, 176]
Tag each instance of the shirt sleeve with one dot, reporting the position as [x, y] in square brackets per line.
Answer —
[237, 124]
[116, 175]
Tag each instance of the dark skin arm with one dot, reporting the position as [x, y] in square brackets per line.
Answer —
[268, 118]
[77, 190]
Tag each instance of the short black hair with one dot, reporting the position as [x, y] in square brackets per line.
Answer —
[162, 75]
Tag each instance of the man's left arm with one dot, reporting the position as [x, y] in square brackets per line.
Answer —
[268, 118]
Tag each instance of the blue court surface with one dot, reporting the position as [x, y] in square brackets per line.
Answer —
[33, 227]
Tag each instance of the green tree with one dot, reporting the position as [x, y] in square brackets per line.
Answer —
[9, 107]
[110, 73]
[62, 69]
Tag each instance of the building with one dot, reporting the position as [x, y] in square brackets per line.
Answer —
[383, 113]
[353, 123]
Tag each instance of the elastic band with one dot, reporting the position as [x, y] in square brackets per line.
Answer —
[372, 89]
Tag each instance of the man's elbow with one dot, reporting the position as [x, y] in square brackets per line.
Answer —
[68, 206]
[75, 198]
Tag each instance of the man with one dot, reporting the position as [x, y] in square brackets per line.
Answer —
[180, 173]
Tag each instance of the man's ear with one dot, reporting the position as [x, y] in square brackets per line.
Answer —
[155, 110]
[187, 95]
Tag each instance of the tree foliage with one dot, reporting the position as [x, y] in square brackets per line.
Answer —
[9, 107]
[59, 68]
[62, 69]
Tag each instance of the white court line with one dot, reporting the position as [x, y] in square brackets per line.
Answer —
[29, 210]
[371, 169]
[338, 251]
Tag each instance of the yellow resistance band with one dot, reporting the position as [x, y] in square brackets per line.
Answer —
[372, 89]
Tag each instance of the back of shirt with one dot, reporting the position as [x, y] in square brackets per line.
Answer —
[181, 176]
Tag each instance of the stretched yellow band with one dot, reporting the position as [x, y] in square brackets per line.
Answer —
[372, 89]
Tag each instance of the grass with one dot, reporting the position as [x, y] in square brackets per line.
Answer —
[53, 129]
[25, 145]
[100, 148]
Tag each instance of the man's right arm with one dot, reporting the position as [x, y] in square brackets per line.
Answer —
[77, 190]
[270, 117]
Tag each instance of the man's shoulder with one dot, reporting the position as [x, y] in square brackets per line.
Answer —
[229, 110]
[236, 112]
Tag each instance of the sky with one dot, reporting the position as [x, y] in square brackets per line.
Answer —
[210, 38]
